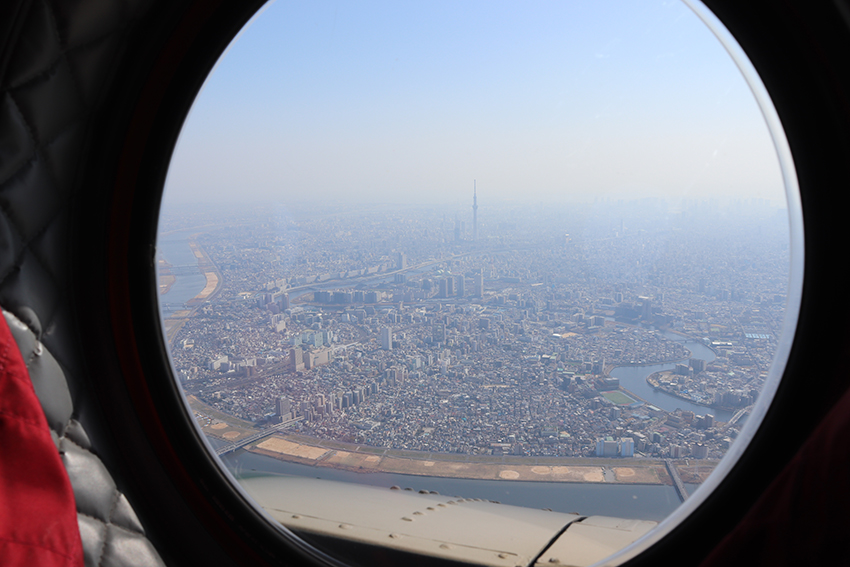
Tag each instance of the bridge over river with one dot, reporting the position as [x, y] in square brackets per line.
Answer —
[677, 480]
[185, 270]
[229, 448]
[739, 414]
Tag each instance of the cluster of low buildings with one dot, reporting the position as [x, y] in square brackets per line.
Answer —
[410, 338]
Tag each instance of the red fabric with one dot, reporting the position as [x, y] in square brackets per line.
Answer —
[804, 516]
[38, 518]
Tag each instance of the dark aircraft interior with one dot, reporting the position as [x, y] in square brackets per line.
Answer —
[100, 464]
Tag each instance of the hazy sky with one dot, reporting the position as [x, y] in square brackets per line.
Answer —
[410, 101]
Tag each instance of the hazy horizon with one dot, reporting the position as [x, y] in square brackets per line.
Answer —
[550, 103]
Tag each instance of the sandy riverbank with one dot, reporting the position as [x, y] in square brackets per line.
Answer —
[306, 450]
[562, 470]
[165, 283]
[208, 269]
[176, 319]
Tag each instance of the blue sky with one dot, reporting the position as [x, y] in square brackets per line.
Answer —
[408, 102]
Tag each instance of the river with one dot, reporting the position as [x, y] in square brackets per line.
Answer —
[174, 249]
[647, 502]
[633, 379]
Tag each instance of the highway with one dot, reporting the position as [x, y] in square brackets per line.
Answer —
[256, 436]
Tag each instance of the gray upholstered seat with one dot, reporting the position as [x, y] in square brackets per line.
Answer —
[54, 61]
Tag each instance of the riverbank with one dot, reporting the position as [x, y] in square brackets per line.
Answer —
[301, 449]
[509, 468]
[213, 284]
[611, 367]
[633, 380]
[166, 278]
[165, 283]
[207, 267]
[654, 380]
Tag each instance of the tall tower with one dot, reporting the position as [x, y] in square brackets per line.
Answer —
[387, 338]
[474, 212]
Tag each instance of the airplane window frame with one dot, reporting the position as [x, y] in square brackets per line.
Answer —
[795, 290]
[151, 393]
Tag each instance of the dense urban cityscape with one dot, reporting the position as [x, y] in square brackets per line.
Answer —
[484, 332]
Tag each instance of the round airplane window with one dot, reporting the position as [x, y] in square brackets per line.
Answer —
[544, 258]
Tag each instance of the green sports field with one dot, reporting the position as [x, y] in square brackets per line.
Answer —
[618, 398]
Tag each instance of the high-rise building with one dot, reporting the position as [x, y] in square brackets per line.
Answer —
[446, 287]
[387, 338]
[627, 447]
[283, 407]
[479, 284]
[296, 360]
[606, 447]
[284, 301]
[598, 367]
[646, 307]
[440, 333]
[460, 228]
[474, 211]
[460, 284]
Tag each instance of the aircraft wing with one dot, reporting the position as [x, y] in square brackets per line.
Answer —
[465, 530]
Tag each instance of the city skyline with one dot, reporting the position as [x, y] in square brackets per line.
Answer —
[385, 329]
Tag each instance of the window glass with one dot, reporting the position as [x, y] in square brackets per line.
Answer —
[531, 253]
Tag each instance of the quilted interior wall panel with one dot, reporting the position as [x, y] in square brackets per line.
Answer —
[56, 57]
